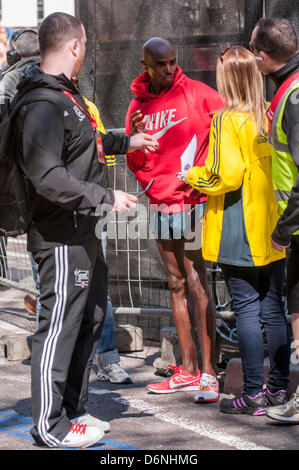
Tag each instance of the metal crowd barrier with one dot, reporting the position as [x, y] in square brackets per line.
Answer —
[137, 277]
[137, 280]
[136, 274]
[15, 264]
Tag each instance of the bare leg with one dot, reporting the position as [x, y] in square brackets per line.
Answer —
[186, 274]
[204, 308]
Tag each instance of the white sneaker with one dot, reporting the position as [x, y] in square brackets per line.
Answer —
[113, 373]
[208, 389]
[82, 436]
[90, 420]
[287, 413]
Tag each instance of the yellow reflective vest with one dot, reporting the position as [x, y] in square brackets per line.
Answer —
[284, 170]
[242, 209]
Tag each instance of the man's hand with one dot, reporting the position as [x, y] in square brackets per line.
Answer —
[138, 122]
[278, 247]
[124, 202]
[145, 143]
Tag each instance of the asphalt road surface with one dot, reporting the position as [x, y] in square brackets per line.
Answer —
[140, 421]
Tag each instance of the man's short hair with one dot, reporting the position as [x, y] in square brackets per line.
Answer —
[25, 42]
[277, 37]
[56, 29]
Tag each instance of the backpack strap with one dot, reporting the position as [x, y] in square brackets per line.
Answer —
[25, 101]
[6, 124]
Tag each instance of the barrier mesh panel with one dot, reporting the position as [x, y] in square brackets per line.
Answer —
[117, 30]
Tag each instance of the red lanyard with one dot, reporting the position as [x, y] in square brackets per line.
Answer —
[93, 123]
[92, 119]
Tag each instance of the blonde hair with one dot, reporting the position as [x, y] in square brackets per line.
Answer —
[240, 84]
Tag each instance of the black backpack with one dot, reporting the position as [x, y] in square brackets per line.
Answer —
[15, 200]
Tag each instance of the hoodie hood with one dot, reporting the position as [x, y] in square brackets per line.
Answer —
[179, 118]
[286, 71]
[141, 85]
[22, 64]
[34, 77]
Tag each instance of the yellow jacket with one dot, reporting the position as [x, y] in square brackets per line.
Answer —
[242, 210]
[94, 112]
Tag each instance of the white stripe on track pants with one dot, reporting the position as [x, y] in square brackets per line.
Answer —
[73, 285]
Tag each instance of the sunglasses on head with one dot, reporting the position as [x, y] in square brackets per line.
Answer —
[222, 54]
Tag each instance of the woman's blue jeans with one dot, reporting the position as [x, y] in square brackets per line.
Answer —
[106, 347]
[257, 296]
[35, 274]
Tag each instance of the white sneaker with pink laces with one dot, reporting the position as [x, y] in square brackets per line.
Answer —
[81, 436]
[208, 390]
[90, 420]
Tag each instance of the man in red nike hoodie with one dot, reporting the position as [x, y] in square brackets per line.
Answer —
[178, 112]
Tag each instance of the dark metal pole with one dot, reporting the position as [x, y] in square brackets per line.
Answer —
[253, 12]
[87, 11]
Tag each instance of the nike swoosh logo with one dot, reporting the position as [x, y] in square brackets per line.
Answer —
[159, 134]
[172, 384]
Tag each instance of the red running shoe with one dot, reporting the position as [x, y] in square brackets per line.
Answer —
[180, 381]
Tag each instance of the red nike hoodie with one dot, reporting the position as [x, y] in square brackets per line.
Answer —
[179, 118]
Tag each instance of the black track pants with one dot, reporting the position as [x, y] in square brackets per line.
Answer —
[73, 284]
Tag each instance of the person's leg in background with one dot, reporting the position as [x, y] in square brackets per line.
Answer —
[106, 353]
[289, 412]
[277, 331]
[3, 257]
[293, 290]
[32, 302]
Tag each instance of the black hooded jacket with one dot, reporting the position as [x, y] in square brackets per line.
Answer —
[289, 221]
[56, 147]
[11, 77]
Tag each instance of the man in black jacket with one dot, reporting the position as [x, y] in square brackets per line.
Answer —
[57, 150]
[275, 45]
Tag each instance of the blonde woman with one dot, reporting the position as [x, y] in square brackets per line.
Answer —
[240, 217]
